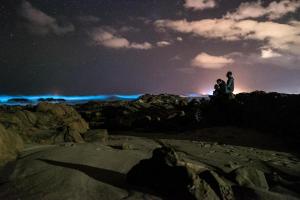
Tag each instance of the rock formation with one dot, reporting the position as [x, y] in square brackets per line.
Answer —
[165, 173]
[46, 122]
[203, 162]
[270, 112]
[10, 145]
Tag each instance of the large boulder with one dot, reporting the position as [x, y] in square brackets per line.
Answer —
[65, 118]
[71, 172]
[47, 123]
[166, 174]
[250, 177]
[58, 110]
[10, 145]
[96, 136]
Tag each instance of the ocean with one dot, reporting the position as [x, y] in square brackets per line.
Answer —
[35, 99]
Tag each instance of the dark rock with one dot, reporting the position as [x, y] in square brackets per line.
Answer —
[269, 112]
[51, 100]
[10, 145]
[98, 135]
[250, 177]
[127, 146]
[166, 174]
[18, 100]
[221, 186]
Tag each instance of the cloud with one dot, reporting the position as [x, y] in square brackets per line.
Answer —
[199, 4]
[143, 46]
[269, 53]
[179, 39]
[207, 61]
[163, 43]
[285, 37]
[287, 61]
[40, 23]
[109, 38]
[284, 60]
[274, 10]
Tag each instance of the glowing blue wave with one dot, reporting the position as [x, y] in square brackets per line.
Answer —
[35, 98]
[128, 96]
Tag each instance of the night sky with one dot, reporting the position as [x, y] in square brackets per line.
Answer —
[86, 47]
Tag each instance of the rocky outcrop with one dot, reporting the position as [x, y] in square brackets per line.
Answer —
[46, 123]
[250, 177]
[173, 177]
[10, 145]
[65, 116]
[149, 112]
[270, 112]
[166, 174]
[124, 169]
[51, 100]
[18, 100]
[98, 136]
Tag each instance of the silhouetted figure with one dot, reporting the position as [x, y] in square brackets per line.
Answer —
[217, 90]
[230, 84]
[220, 88]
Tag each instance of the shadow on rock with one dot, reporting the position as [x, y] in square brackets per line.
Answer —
[110, 177]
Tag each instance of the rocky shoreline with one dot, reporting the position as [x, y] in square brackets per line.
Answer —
[149, 147]
[271, 112]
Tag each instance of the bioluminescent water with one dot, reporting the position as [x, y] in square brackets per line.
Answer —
[34, 99]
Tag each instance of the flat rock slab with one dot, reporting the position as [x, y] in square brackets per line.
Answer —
[96, 171]
[78, 171]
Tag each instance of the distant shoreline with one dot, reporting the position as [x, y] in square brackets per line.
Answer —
[33, 100]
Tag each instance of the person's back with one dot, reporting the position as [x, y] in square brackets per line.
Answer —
[222, 86]
[217, 90]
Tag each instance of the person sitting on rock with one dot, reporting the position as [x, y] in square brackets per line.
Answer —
[222, 86]
[217, 90]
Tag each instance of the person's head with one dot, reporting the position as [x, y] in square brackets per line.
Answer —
[229, 74]
[219, 81]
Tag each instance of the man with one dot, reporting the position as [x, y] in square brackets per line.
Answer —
[230, 83]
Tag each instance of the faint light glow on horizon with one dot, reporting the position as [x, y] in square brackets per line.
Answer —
[206, 92]
[192, 95]
[238, 90]
[210, 91]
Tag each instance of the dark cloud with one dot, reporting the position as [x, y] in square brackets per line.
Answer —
[182, 46]
[39, 22]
